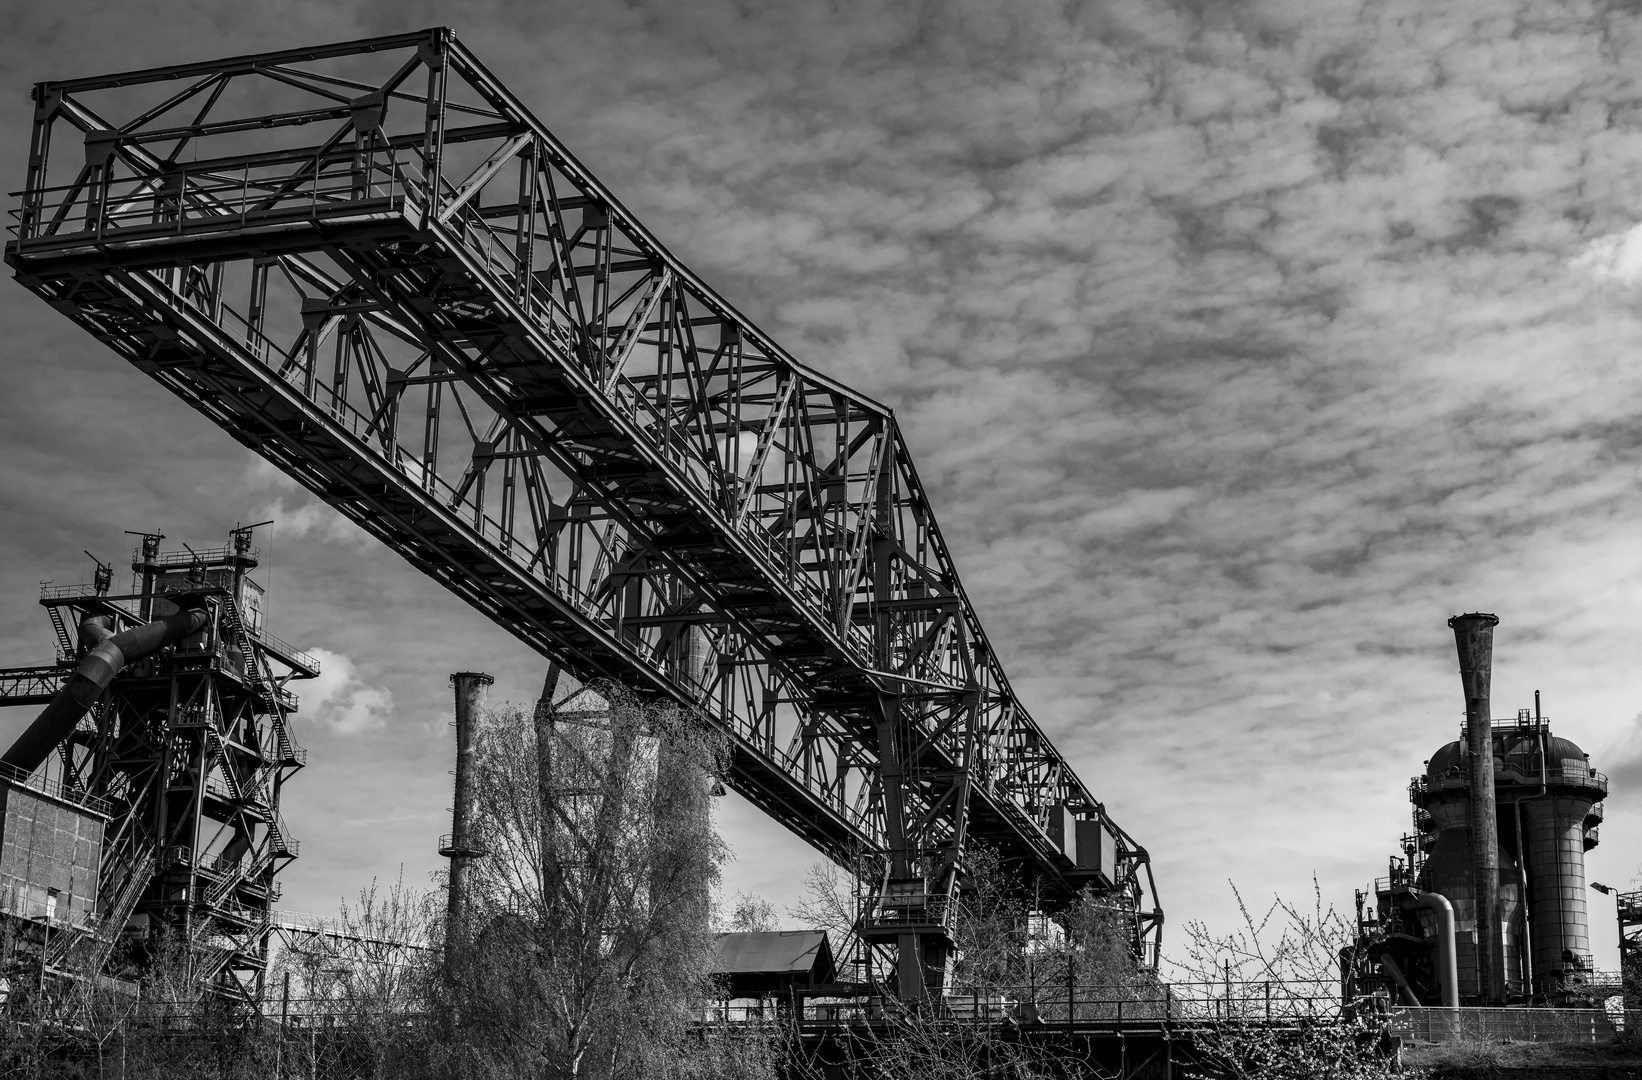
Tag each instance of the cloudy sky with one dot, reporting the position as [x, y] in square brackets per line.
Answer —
[1238, 344]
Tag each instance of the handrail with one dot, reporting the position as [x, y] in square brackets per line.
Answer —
[1585, 778]
[16, 777]
[222, 201]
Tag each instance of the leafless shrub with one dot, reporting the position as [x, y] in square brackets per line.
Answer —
[1295, 1028]
[751, 914]
[589, 943]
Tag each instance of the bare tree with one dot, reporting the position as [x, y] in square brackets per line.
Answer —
[1277, 1014]
[751, 913]
[829, 902]
[588, 946]
[994, 930]
[373, 981]
[917, 1045]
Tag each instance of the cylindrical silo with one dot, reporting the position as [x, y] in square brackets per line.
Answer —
[1555, 826]
[1450, 871]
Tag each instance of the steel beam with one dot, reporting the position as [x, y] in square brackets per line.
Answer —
[414, 300]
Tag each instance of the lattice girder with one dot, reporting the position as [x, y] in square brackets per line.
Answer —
[377, 270]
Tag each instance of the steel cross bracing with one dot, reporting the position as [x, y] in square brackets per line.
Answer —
[369, 263]
[187, 753]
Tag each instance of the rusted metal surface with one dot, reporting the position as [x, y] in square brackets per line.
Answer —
[1474, 639]
[471, 688]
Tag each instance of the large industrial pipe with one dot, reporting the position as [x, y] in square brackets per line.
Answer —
[1474, 638]
[94, 631]
[1389, 965]
[471, 688]
[105, 660]
[1448, 966]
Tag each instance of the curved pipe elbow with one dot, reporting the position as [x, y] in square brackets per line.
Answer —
[94, 631]
[96, 670]
[1447, 958]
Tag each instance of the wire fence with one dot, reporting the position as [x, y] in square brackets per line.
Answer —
[1110, 1005]
[1520, 1025]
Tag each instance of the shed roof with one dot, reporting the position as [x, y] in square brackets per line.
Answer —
[775, 952]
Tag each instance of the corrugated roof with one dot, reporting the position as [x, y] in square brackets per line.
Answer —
[774, 952]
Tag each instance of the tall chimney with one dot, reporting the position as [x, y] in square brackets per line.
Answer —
[1474, 637]
[471, 687]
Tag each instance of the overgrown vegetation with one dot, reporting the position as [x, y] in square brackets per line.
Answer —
[1282, 964]
[585, 952]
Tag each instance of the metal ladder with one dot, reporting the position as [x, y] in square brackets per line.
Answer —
[220, 745]
[120, 911]
[241, 873]
[237, 633]
[65, 644]
[277, 844]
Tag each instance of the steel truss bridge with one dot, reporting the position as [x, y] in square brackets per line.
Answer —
[370, 264]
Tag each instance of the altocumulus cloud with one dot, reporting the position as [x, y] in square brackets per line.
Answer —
[1237, 344]
[342, 699]
[1616, 258]
[311, 517]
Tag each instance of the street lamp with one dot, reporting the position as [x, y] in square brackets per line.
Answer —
[1609, 890]
[1619, 918]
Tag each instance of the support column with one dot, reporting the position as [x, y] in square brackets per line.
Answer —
[1474, 638]
[148, 566]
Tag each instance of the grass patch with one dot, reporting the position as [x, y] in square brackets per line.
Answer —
[1467, 1056]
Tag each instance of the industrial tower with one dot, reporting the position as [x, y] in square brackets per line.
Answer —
[1502, 820]
[142, 806]
[371, 265]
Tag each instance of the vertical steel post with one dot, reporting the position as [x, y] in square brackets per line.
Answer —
[149, 566]
[1474, 639]
[47, 102]
[435, 58]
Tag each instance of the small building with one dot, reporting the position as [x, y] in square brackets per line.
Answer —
[774, 963]
[51, 843]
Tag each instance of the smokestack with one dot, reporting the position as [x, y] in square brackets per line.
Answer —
[471, 688]
[1474, 638]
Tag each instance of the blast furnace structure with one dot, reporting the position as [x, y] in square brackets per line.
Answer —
[1488, 896]
[142, 805]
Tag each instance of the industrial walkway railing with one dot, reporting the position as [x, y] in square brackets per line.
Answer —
[1123, 1006]
[1520, 1025]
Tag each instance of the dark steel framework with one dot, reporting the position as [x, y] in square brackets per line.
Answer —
[188, 750]
[370, 264]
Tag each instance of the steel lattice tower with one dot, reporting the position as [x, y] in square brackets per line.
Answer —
[371, 265]
[186, 754]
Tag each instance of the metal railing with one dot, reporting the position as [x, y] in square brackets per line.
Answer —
[1100, 1006]
[144, 207]
[1516, 723]
[1436, 1025]
[1585, 778]
[50, 591]
[368, 434]
[285, 648]
[15, 777]
[208, 557]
